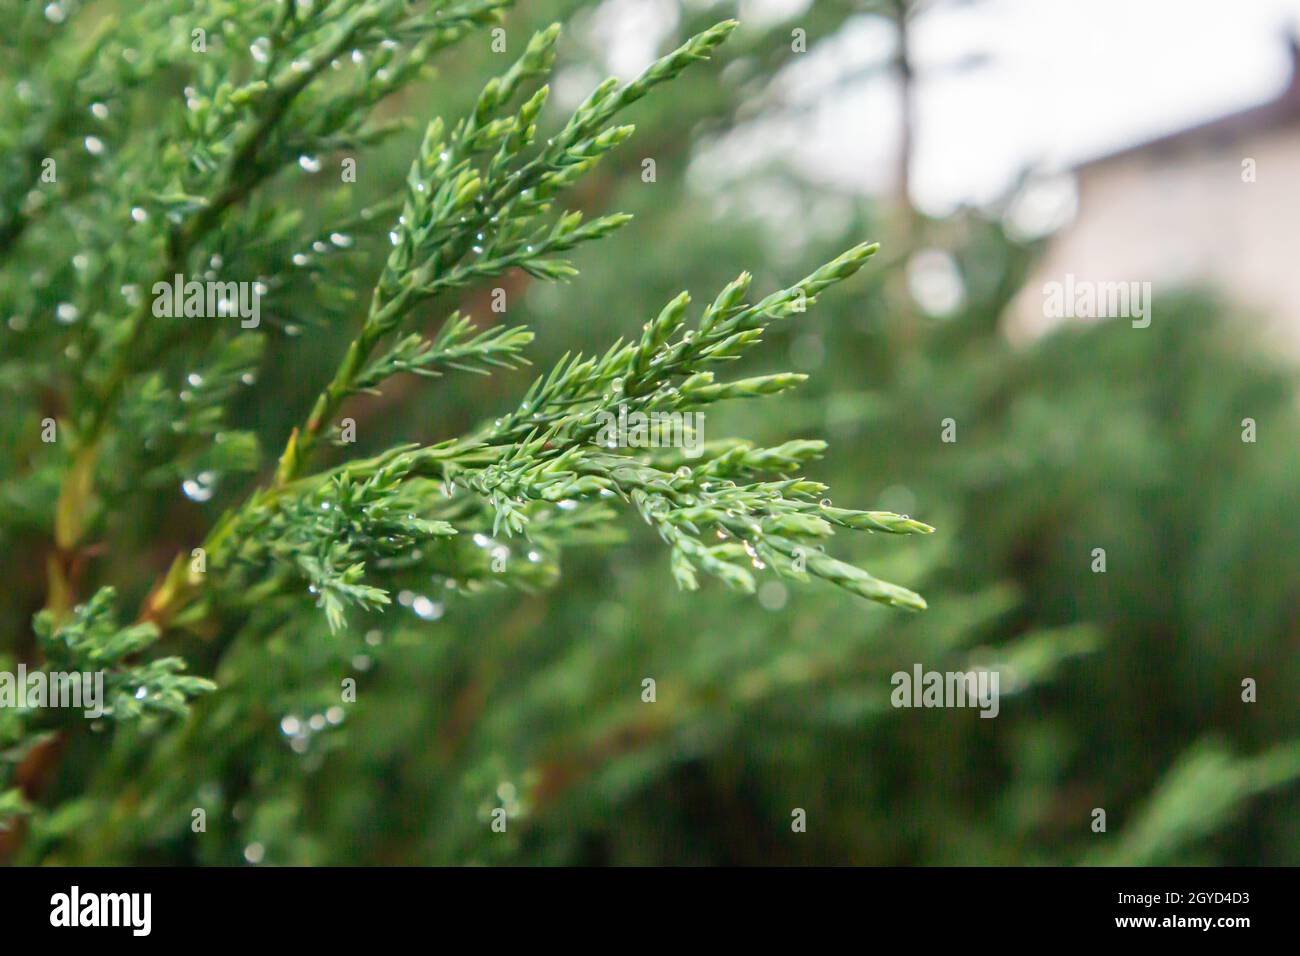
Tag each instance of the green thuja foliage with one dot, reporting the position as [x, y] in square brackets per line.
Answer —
[384, 686]
[147, 147]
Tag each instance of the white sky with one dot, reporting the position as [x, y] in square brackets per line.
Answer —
[1073, 79]
[1064, 80]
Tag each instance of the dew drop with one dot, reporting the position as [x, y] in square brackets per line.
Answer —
[426, 609]
[201, 487]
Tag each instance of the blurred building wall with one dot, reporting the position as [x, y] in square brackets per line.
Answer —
[1191, 208]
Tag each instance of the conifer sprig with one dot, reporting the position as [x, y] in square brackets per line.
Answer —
[467, 217]
[267, 91]
[763, 515]
[458, 345]
[768, 523]
[546, 453]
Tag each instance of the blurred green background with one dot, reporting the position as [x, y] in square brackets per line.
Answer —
[1121, 690]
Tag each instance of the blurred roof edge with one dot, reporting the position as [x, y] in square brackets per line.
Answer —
[1281, 111]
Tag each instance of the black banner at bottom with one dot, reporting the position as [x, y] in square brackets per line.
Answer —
[342, 905]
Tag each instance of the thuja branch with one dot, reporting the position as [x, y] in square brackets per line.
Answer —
[476, 205]
[243, 172]
[251, 157]
[547, 456]
[489, 211]
[444, 218]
